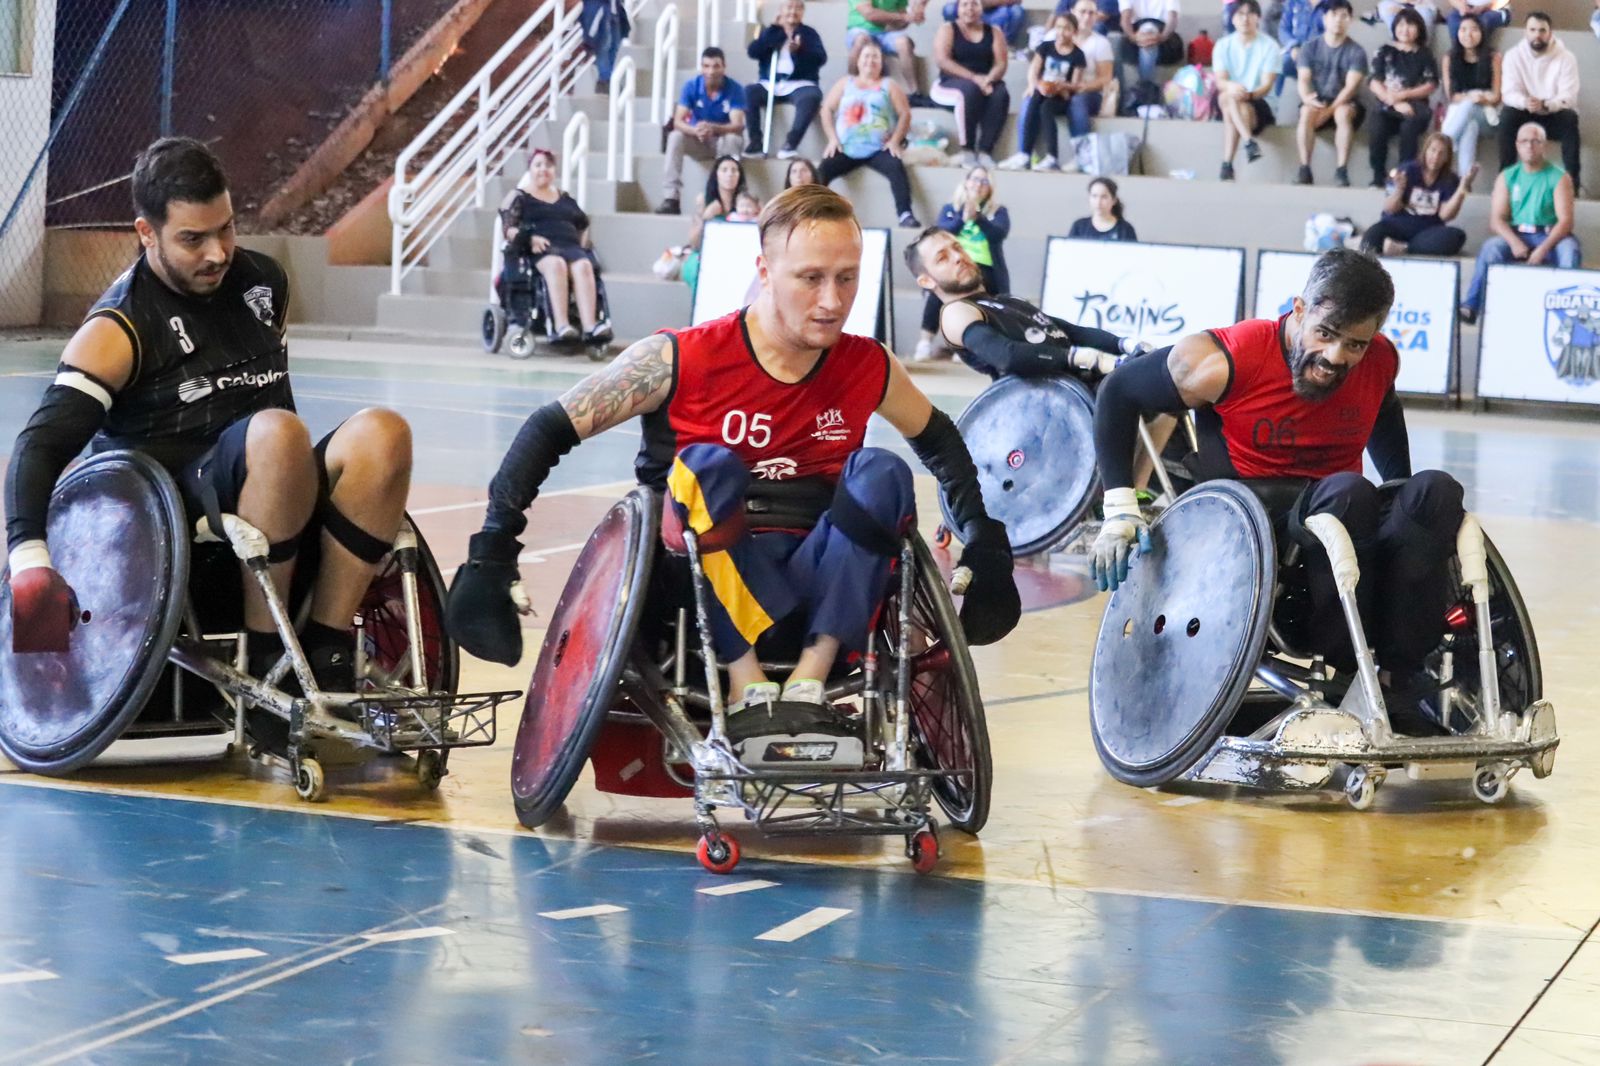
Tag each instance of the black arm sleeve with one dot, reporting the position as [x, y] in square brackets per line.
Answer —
[66, 420]
[1140, 385]
[1089, 337]
[1007, 356]
[1390, 444]
[945, 454]
[544, 438]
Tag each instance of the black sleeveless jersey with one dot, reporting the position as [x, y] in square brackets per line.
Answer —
[1017, 320]
[200, 363]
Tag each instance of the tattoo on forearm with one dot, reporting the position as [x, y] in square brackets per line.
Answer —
[623, 389]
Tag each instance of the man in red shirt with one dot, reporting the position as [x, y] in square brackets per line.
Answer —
[1287, 406]
[763, 411]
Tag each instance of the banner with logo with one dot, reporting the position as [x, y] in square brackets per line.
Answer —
[1150, 292]
[1540, 338]
[728, 279]
[1422, 322]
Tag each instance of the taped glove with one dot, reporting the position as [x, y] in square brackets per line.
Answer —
[1124, 528]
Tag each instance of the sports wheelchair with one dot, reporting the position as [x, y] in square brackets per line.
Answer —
[158, 646]
[519, 307]
[1200, 670]
[1032, 440]
[626, 679]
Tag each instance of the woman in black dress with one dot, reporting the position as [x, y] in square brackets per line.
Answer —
[546, 224]
[972, 68]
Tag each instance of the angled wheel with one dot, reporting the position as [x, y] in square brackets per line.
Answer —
[948, 728]
[580, 663]
[118, 535]
[1033, 442]
[383, 615]
[1181, 637]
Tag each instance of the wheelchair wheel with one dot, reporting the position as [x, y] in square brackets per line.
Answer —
[494, 328]
[383, 614]
[118, 535]
[585, 648]
[1033, 442]
[948, 727]
[519, 343]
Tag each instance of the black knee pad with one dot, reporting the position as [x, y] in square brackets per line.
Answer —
[353, 538]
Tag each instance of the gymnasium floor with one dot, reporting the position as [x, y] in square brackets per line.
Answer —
[171, 906]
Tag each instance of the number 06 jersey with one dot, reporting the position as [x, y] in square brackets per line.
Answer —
[781, 430]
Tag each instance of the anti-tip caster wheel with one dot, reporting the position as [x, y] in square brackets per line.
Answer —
[942, 537]
[519, 343]
[718, 853]
[430, 768]
[1491, 783]
[308, 782]
[1360, 787]
[922, 847]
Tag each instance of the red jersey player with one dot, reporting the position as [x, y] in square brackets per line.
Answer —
[1292, 403]
[755, 409]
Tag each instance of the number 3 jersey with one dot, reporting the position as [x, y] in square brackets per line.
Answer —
[200, 363]
[781, 430]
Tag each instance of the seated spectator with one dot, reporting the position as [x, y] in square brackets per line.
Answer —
[1105, 221]
[1246, 63]
[887, 22]
[605, 26]
[866, 118]
[1491, 15]
[1006, 16]
[1531, 217]
[1149, 39]
[1108, 15]
[972, 59]
[1424, 196]
[724, 185]
[801, 171]
[797, 51]
[1388, 9]
[1332, 68]
[541, 221]
[1472, 85]
[1539, 83]
[1054, 75]
[1404, 75]
[1085, 102]
[1298, 21]
[708, 122]
[980, 223]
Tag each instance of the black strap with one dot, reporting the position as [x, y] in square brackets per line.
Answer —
[356, 541]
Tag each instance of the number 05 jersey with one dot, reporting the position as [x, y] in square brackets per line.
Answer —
[200, 363]
[781, 430]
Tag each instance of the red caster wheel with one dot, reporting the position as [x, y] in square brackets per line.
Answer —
[718, 853]
[941, 537]
[923, 848]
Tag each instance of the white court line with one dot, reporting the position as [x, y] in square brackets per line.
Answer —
[200, 958]
[1183, 801]
[736, 888]
[580, 490]
[807, 923]
[397, 935]
[23, 977]
[583, 912]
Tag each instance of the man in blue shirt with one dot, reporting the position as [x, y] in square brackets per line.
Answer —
[709, 122]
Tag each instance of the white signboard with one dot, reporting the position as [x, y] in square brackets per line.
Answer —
[728, 279]
[1422, 322]
[1540, 338]
[1151, 292]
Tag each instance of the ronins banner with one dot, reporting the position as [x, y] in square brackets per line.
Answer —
[1150, 292]
[1541, 335]
[1422, 322]
[728, 279]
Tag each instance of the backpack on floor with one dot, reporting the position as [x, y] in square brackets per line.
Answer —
[1324, 231]
[1099, 154]
[1192, 93]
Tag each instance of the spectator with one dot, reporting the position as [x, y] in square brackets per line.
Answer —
[1332, 68]
[866, 118]
[709, 121]
[1150, 39]
[1298, 22]
[1531, 217]
[1105, 221]
[1086, 101]
[1108, 16]
[1404, 75]
[798, 53]
[1424, 196]
[1246, 63]
[1054, 75]
[1472, 86]
[724, 185]
[544, 223]
[980, 223]
[1006, 16]
[802, 171]
[1539, 83]
[605, 26]
[1388, 9]
[887, 22]
[972, 60]
[1491, 15]
[746, 208]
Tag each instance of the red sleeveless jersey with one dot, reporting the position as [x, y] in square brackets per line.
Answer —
[1271, 432]
[781, 430]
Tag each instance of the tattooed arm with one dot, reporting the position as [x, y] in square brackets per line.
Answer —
[637, 382]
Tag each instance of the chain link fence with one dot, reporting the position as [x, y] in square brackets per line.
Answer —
[85, 85]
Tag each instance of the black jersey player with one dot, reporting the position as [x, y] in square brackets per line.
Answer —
[184, 359]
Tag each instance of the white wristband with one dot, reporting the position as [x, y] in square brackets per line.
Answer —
[29, 555]
[1120, 503]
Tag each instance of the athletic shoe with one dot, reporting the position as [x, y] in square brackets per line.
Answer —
[788, 153]
[567, 335]
[603, 88]
[969, 158]
[1341, 177]
[804, 690]
[1303, 177]
[752, 151]
[1017, 162]
[600, 334]
[924, 100]
[762, 692]
[1049, 162]
[669, 207]
[926, 352]
[1469, 315]
[1252, 150]
[909, 221]
[986, 160]
[1227, 172]
[791, 735]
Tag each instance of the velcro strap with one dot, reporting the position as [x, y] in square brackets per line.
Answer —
[283, 550]
[356, 541]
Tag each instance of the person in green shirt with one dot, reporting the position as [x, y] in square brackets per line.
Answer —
[888, 23]
[1531, 217]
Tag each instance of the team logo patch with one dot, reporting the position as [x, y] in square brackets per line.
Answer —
[1034, 335]
[259, 300]
[1572, 333]
[831, 427]
[776, 469]
[195, 389]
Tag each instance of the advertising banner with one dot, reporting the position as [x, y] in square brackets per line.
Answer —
[1540, 338]
[1150, 292]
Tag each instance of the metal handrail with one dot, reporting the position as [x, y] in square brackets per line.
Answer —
[620, 106]
[664, 69]
[575, 157]
[707, 28]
